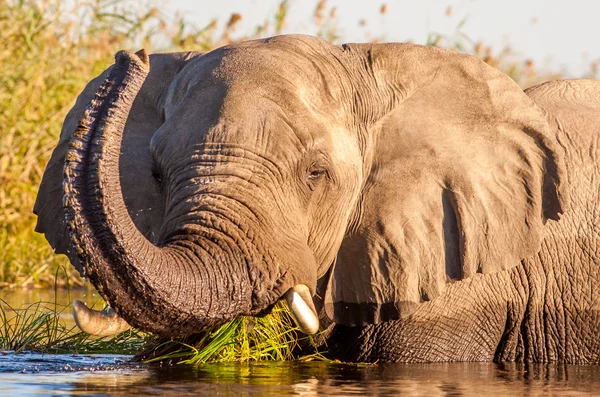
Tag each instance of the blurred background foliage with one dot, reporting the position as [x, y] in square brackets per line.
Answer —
[52, 48]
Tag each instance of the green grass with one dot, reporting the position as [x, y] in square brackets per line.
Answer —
[272, 337]
[41, 327]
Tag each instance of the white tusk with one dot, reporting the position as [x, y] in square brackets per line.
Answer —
[100, 323]
[300, 302]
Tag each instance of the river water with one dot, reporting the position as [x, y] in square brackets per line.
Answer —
[32, 374]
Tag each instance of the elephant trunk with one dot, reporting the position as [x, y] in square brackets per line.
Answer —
[186, 286]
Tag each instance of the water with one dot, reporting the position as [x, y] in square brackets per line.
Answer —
[30, 374]
[33, 374]
[61, 297]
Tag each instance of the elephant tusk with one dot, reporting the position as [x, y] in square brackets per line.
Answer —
[299, 300]
[95, 322]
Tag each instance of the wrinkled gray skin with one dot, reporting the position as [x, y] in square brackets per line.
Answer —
[435, 210]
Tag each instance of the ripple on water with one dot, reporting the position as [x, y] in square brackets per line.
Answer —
[36, 362]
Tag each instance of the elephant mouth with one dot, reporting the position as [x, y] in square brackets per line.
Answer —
[108, 322]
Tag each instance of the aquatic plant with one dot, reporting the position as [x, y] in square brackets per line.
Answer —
[41, 327]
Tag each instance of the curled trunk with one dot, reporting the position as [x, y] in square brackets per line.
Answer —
[192, 283]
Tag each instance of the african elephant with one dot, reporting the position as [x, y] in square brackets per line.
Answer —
[415, 200]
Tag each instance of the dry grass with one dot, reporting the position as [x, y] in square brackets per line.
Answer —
[46, 59]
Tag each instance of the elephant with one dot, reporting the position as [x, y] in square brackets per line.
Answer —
[413, 202]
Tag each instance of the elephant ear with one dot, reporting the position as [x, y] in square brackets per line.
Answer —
[140, 190]
[461, 177]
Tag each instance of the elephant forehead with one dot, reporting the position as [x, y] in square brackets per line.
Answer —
[294, 72]
[289, 59]
[285, 91]
[278, 96]
[284, 128]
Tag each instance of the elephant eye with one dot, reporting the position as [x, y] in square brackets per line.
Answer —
[318, 171]
[316, 174]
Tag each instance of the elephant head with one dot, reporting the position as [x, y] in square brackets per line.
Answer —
[200, 187]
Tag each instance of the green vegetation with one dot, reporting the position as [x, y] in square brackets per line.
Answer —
[273, 337]
[50, 50]
[41, 327]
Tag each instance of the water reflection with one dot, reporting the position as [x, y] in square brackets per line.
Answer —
[59, 300]
[62, 297]
[103, 376]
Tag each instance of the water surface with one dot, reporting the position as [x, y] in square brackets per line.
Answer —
[104, 375]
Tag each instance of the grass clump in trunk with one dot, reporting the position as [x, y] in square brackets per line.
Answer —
[272, 337]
